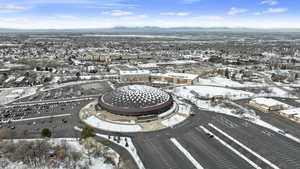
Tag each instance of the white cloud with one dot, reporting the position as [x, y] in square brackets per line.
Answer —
[235, 11]
[7, 8]
[113, 6]
[257, 13]
[276, 10]
[175, 13]
[142, 16]
[271, 10]
[270, 2]
[118, 13]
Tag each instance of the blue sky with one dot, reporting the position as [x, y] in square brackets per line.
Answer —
[30, 14]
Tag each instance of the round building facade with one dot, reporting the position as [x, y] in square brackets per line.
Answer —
[136, 100]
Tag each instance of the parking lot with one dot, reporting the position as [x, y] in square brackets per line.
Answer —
[71, 91]
[28, 121]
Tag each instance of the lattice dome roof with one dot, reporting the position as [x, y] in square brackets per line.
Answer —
[136, 96]
[136, 100]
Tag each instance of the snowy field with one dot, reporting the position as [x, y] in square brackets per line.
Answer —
[279, 92]
[210, 91]
[219, 109]
[74, 146]
[56, 86]
[224, 82]
[130, 148]
[10, 95]
[202, 104]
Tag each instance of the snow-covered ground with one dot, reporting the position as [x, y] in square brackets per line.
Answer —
[220, 81]
[56, 86]
[175, 119]
[10, 95]
[219, 109]
[185, 93]
[75, 146]
[104, 125]
[210, 91]
[202, 104]
[184, 109]
[279, 92]
[122, 142]
[224, 82]
[130, 148]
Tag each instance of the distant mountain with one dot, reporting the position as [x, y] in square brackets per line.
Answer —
[147, 29]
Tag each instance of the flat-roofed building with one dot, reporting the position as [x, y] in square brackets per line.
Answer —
[290, 113]
[97, 58]
[177, 78]
[297, 118]
[148, 66]
[268, 105]
[135, 76]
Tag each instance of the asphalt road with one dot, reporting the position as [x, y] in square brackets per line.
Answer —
[158, 152]
[275, 119]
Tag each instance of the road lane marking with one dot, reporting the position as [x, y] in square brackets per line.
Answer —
[231, 148]
[43, 117]
[186, 153]
[45, 103]
[56, 100]
[245, 147]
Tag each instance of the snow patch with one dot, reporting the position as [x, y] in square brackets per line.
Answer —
[175, 119]
[104, 125]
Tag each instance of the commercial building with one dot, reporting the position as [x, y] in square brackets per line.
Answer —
[290, 113]
[97, 58]
[293, 114]
[268, 105]
[297, 118]
[136, 100]
[146, 76]
[177, 78]
[135, 76]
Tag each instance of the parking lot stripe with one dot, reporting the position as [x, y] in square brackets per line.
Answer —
[42, 117]
[186, 153]
[245, 147]
[231, 148]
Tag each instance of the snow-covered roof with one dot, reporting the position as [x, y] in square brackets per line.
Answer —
[291, 111]
[270, 102]
[135, 72]
[297, 115]
[20, 79]
[181, 75]
[148, 65]
[4, 70]
[177, 62]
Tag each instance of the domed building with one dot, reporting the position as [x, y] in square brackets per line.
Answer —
[136, 100]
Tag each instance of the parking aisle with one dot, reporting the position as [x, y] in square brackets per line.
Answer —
[209, 152]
